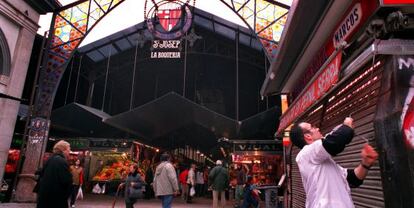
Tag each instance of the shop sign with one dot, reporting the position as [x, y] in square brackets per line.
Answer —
[356, 16]
[77, 144]
[261, 147]
[108, 143]
[326, 79]
[397, 2]
[348, 25]
[166, 49]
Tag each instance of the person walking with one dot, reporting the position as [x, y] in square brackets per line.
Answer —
[218, 180]
[200, 183]
[133, 186]
[77, 178]
[183, 181]
[191, 179]
[251, 196]
[326, 183]
[241, 180]
[55, 185]
[165, 181]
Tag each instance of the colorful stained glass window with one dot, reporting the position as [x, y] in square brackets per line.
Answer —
[267, 19]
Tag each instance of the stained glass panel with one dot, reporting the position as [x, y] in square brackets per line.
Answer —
[95, 14]
[105, 4]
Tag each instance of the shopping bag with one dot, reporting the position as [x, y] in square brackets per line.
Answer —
[80, 194]
[192, 191]
[103, 189]
[96, 189]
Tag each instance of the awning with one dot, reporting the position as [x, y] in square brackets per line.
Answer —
[81, 120]
[303, 36]
[168, 113]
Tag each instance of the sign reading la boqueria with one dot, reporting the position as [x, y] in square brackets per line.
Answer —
[166, 49]
[324, 81]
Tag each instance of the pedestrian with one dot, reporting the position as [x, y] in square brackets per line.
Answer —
[250, 194]
[133, 186]
[149, 178]
[183, 181]
[55, 184]
[325, 182]
[165, 181]
[205, 176]
[241, 180]
[77, 178]
[191, 179]
[199, 183]
[218, 180]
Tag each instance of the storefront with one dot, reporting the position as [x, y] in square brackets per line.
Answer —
[261, 158]
[106, 161]
[364, 72]
[263, 161]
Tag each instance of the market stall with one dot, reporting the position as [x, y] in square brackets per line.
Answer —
[364, 71]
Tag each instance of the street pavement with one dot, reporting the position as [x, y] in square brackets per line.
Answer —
[103, 201]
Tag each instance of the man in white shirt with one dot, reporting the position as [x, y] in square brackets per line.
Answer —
[326, 183]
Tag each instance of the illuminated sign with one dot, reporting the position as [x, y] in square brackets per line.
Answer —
[325, 80]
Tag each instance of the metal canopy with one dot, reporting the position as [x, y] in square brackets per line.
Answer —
[261, 124]
[82, 120]
[168, 113]
[306, 17]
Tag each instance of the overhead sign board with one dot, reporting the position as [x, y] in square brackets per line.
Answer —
[324, 81]
[348, 25]
[397, 2]
[250, 146]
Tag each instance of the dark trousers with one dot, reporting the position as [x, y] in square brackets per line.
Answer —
[129, 204]
[149, 193]
[75, 189]
[200, 189]
[189, 186]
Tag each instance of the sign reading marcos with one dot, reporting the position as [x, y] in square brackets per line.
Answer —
[325, 80]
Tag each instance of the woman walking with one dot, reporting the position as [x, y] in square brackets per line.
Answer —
[133, 187]
[77, 177]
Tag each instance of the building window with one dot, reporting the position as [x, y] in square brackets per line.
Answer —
[4, 55]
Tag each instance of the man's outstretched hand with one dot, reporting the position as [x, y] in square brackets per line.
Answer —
[369, 155]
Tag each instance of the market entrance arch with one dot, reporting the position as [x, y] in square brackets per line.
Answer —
[72, 23]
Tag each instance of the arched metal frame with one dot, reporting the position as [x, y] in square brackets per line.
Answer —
[72, 23]
[5, 58]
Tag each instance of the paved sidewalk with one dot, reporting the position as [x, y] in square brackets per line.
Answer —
[99, 201]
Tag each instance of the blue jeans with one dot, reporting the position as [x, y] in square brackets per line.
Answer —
[166, 201]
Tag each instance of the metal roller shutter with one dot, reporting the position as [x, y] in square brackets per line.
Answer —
[358, 96]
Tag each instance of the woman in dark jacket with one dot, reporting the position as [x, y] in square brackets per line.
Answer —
[133, 187]
[56, 180]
